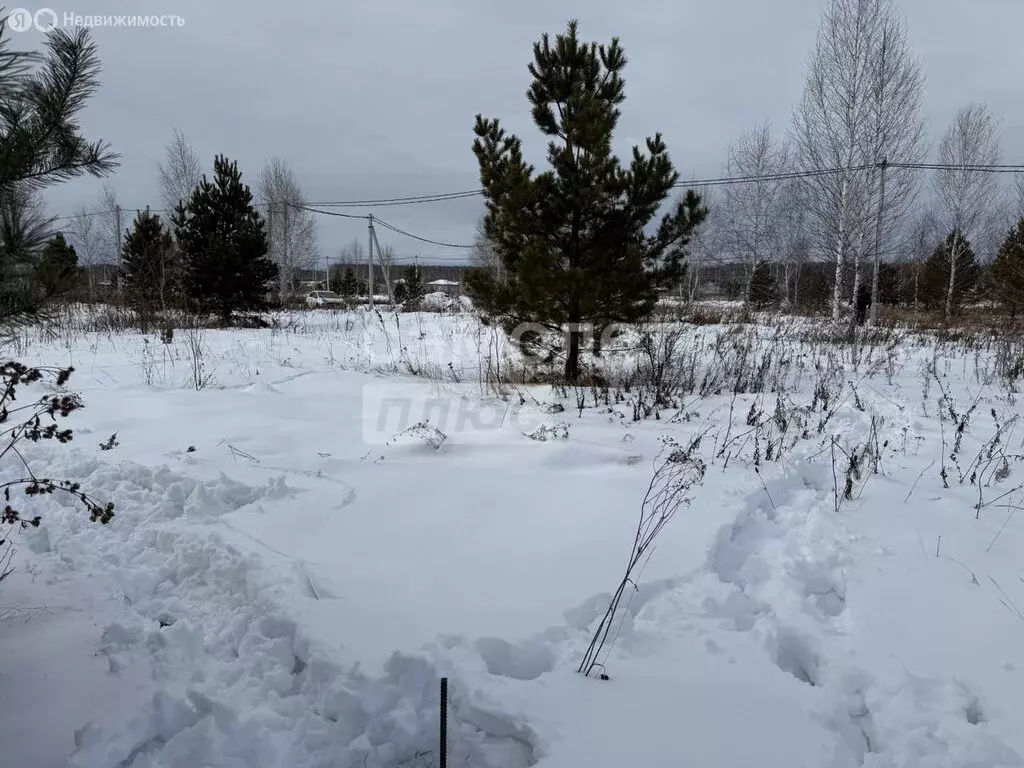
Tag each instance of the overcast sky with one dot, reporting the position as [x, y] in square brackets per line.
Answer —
[376, 98]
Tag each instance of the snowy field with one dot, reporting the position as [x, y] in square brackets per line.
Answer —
[294, 564]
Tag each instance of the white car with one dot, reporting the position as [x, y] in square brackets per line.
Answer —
[324, 299]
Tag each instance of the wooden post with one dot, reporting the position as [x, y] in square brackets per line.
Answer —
[443, 750]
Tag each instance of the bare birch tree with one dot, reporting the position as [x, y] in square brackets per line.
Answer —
[925, 235]
[829, 126]
[792, 237]
[180, 172]
[1018, 183]
[965, 194]
[111, 225]
[706, 248]
[85, 232]
[750, 209]
[353, 254]
[291, 230]
[484, 255]
[895, 134]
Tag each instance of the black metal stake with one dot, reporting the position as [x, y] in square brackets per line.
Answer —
[444, 723]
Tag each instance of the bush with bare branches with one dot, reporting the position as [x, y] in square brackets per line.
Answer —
[34, 422]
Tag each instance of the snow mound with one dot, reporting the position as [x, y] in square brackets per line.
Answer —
[526, 661]
[439, 301]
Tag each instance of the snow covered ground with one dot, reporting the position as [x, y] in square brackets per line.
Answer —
[294, 563]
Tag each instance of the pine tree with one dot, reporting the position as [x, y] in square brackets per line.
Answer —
[1008, 270]
[147, 265]
[41, 96]
[349, 285]
[413, 284]
[223, 240]
[572, 240]
[934, 282]
[57, 269]
[763, 288]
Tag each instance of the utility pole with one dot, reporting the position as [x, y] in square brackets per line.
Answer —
[878, 243]
[117, 243]
[369, 256]
[283, 265]
[385, 267]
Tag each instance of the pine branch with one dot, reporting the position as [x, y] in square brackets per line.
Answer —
[40, 141]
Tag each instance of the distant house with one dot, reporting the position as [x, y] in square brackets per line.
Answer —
[449, 287]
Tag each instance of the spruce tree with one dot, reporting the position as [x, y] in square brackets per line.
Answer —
[763, 288]
[349, 285]
[223, 240]
[1008, 270]
[401, 292]
[889, 283]
[57, 269]
[147, 265]
[935, 276]
[334, 276]
[573, 240]
[413, 284]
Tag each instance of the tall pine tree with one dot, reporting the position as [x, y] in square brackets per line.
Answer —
[1008, 270]
[223, 241]
[572, 240]
[147, 265]
[935, 276]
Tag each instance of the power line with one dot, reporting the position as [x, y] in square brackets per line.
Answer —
[470, 193]
[390, 201]
[707, 182]
[382, 223]
[785, 176]
[393, 228]
[692, 183]
[90, 214]
[327, 213]
[962, 168]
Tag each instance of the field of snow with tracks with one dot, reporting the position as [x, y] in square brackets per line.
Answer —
[297, 559]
